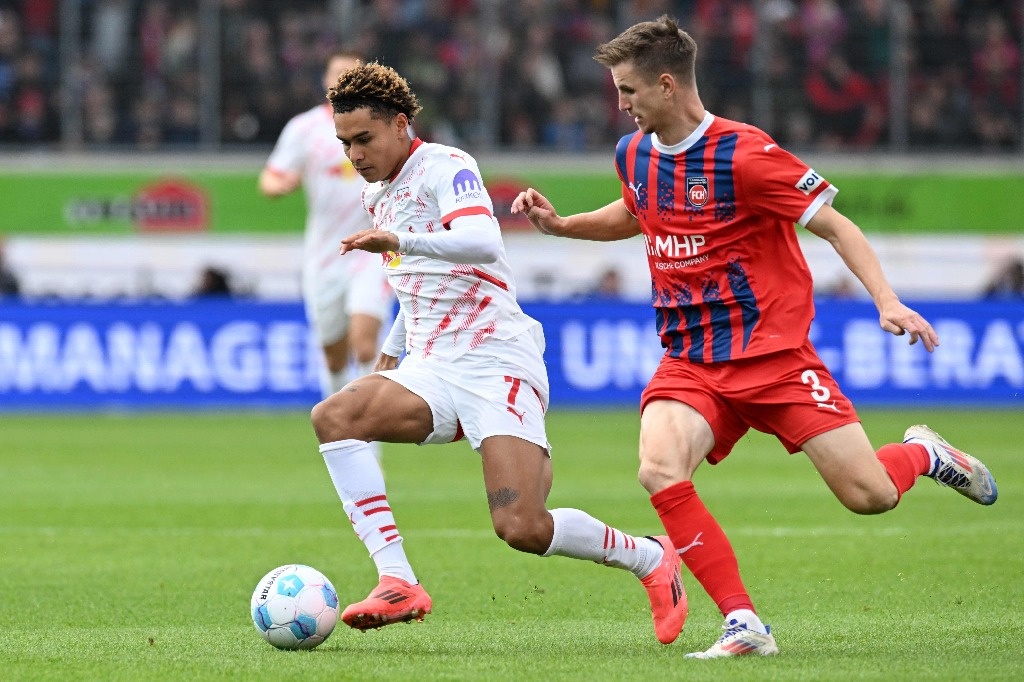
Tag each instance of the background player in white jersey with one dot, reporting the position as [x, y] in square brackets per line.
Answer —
[474, 364]
[347, 300]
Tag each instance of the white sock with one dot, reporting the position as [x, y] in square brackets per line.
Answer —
[364, 368]
[580, 536]
[749, 618]
[360, 484]
[378, 454]
[335, 381]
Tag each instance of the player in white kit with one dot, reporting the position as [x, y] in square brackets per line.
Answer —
[347, 300]
[474, 364]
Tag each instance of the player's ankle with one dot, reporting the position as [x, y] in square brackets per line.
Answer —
[749, 618]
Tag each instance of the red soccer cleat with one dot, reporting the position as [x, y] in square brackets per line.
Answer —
[392, 601]
[665, 590]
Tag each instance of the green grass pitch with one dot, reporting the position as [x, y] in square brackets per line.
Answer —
[130, 546]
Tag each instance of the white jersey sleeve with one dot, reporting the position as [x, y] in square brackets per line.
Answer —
[394, 344]
[291, 148]
[469, 239]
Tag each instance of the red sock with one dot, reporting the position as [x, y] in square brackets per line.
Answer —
[904, 462]
[707, 552]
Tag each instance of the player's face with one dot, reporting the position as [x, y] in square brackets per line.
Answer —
[642, 99]
[335, 67]
[377, 148]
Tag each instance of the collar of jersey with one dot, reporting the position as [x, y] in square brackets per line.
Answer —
[412, 150]
[681, 147]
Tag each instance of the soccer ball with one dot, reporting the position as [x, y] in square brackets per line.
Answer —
[294, 607]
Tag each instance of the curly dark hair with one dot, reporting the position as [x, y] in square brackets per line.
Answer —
[654, 47]
[377, 87]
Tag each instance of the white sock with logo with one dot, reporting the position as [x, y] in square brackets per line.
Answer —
[580, 536]
[358, 479]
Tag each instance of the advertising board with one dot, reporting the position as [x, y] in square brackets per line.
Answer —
[232, 354]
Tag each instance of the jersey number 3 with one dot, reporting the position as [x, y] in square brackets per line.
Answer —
[819, 393]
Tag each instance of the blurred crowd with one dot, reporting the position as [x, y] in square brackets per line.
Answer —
[814, 73]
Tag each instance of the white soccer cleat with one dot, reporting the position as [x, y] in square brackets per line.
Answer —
[739, 640]
[953, 468]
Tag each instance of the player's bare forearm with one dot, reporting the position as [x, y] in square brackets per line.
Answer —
[858, 255]
[606, 224]
[609, 223]
[274, 183]
[385, 361]
[374, 241]
[855, 250]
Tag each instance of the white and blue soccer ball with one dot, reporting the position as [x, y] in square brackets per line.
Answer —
[295, 607]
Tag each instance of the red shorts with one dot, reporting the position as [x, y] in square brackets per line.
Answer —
[789, 394]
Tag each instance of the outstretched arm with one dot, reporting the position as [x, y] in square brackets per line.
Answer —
[471, 239]
[855, 250]
[275, 183]
[606, 224]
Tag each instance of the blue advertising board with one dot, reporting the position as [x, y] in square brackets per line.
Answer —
[209, 353]
[212, 354]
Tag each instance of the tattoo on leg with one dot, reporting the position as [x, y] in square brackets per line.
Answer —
[502, 497]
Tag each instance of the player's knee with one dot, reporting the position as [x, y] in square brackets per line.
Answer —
[336, 418]
[870, 499]
[365, 352]
[335, 364]
[524, 535]
[655, 475]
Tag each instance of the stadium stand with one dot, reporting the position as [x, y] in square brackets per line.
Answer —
[814, 73]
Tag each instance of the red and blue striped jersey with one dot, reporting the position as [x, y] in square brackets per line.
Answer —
[728, 278]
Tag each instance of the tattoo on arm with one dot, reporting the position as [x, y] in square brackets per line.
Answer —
[502, 497]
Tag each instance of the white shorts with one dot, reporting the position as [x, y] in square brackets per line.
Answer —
[498, 389]
[361, 289]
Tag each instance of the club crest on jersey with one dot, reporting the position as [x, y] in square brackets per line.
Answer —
[466, 185]
[697, 191]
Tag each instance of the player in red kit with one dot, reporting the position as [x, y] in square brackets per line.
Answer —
[716, 202]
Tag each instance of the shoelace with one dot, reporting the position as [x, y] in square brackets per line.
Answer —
[949, 475]
[730, 630]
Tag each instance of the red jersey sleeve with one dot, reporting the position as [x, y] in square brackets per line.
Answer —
[622, 153]
[776, 183]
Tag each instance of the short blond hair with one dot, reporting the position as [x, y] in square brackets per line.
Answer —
[654, 48]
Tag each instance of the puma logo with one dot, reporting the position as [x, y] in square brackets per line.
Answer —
[636, 189]
[829, 406]
[696, 541]
[520, 415]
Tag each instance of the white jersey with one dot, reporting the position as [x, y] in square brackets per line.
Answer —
[449, 308]
[309, 145]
